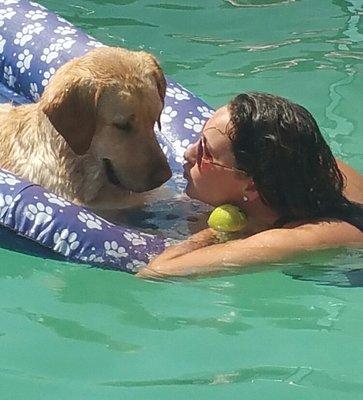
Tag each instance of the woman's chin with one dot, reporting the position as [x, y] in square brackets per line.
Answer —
[188, 190]
[191, 192]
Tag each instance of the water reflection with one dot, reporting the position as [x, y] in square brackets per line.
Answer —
[89, 22]
[71, 329]
[257, 3]
[297, 376]
[176, 7]
[343, 270]
[115, 2]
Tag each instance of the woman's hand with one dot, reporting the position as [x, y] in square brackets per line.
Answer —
[204, 238]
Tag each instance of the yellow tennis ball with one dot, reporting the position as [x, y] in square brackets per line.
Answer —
[227, 218]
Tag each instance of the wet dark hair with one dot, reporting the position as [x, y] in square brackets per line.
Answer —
[279, 144]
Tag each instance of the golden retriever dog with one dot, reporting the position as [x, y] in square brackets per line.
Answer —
[90, 138]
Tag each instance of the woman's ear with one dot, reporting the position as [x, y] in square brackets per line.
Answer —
[72, 109]
[250, 190]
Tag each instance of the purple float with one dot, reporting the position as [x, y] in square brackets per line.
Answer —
[33, 44]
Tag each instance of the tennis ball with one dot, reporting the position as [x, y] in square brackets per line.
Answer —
[227, 218]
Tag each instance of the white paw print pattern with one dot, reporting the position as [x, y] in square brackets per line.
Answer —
[65, 43]
[24, 60]
[34, 91]
[179, 147]
[135, 265]
[205, 111]
[165, 150]
[93, 258]
[65, 30]
[9, 2]
[52, 52]
[167, 115]
[177, 94]
[2, 44]
[170, 242]
[8, 179]
[21, 38]
[58, 200]
[36, 14]
[8, 76]
[36, 5]
[26, 34]
[90, 220]
[6, 13]
[94, 43]
[134, 238]
[105, 222]
[6, 202]
[65, 242]
[114, 250]
[194, 123]
[62, 20]
[47, 75]
[179, 181]
[39, 213]
[49, 54]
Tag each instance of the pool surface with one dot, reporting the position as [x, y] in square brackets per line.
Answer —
[288, 331]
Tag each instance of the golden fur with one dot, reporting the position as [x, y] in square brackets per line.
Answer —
[100, 106]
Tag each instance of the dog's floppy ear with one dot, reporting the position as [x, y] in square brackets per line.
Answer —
[161, 85]
[72, 110]
[154, 69]
[160, 81]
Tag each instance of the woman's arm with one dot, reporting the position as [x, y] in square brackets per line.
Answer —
[199, 256]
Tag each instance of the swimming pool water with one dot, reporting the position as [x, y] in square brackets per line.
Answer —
[292, 330]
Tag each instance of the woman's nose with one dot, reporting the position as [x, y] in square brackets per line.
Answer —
[190, 154]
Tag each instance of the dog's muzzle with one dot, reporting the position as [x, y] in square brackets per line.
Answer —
[154, 179]
[110, 172]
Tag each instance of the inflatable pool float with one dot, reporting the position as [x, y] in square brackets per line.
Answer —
[33, 44]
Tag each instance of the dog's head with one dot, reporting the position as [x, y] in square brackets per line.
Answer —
[107, 103]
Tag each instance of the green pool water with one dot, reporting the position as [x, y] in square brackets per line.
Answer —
[290, 331]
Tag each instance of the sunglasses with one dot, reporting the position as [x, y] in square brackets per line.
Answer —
[203, 155]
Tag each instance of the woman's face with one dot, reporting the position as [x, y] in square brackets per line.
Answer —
[208, 182]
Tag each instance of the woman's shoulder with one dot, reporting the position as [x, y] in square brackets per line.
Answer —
[354, 182]
[321, 233]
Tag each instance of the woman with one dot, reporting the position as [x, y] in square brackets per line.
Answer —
[267, 156]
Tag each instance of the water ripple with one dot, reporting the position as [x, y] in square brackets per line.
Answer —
[74, 330]
[342, 125]
[271, 373]
[298, 376]
[250, 3]
[277, 65]
[269, 46]
[315, 32]
[357, 55]
[176, 7]
[201, 39]
[235, 45]
[109, 21]
[280, 65]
